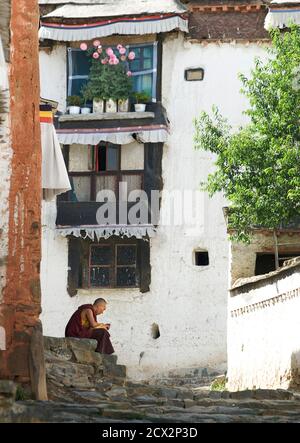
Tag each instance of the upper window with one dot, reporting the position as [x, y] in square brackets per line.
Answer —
[143, 68]
[105, 173]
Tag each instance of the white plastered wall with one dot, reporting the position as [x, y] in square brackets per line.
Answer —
[188, 303]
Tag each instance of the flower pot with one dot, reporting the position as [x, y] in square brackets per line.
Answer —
[98, 105]
[140, 107]
[111, 105]
[123, 105]
[85, 110]
[74, 109]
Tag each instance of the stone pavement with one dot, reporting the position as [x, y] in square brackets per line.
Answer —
[85, 387]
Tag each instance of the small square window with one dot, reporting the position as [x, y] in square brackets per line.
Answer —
[201, 258]
[194, 75]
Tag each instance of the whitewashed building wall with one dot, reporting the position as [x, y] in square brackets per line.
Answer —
[189, 303]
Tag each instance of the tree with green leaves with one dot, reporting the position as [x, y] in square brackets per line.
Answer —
[258, 167]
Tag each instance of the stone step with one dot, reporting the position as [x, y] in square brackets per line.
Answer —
[73, 363]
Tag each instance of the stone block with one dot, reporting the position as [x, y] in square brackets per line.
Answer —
[116, 391]
[62, 354]
[114, 370]
[85, 356]
[109, 360]
[184, 394]
[8, 391]
[71, 374]
[83, 344]
[271, 394]
[241, 395]
[51, 343]
[168, 392]
[188, 403]
[122, 414]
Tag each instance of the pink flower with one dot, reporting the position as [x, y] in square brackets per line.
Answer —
[116, 61]
[119, 47]
[131, 55]
[96, 55]
[109, 52]
[123, 58]
[99, 50]
[129, 73]
[96, 43]
[104, 61]
[122, 51]
[111, 61]
[83, 46]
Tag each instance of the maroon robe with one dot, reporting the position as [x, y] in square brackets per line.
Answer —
[75, 329]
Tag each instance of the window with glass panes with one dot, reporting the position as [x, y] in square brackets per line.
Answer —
[143, 68]
[113, 265]
[105, 174]
[78, 70]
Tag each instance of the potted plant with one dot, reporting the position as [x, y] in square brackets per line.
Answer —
[110, 82]
[85, 98]
[74, 103]
[141, 99]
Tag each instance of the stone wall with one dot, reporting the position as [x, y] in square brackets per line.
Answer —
[263, 331]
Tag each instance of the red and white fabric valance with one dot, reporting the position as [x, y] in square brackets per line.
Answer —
[119, 25]
[98, 232]
[282, 14]
[119, 136]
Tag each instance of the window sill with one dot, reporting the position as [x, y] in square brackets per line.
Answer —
[105, 116]
[107, 290]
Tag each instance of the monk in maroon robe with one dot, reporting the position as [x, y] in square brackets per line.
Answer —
[83, 324]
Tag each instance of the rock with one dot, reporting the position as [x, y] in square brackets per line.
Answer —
[70, 374]
[240, 395]
[87, 357]
[188, 403]
[146, 399]
[83, 343]
[168, 392]
[272, 394]
[8, 391]
[123, 414]
[185, 393]
[111, 370]
[215, 394]
[116, 392]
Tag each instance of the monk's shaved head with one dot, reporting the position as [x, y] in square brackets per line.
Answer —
[99, 306]
[100, 301]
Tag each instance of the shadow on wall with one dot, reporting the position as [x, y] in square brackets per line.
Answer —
[295, 371]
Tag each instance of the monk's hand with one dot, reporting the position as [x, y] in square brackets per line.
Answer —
[100, 326]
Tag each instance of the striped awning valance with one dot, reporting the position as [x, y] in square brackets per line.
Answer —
[282, 14]
[150, 24]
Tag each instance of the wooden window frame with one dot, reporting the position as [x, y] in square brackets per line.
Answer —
[118, 173]
[114, 244]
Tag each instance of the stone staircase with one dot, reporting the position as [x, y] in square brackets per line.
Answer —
[73, 363]
[87, 387]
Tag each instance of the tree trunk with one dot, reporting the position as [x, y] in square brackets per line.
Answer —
[276, 249]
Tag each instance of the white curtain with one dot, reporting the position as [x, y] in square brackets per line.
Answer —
[55, 179]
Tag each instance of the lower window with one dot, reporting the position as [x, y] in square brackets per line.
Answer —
[112, 263]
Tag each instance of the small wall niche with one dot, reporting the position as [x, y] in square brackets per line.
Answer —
[155, 331]
[201, 258]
